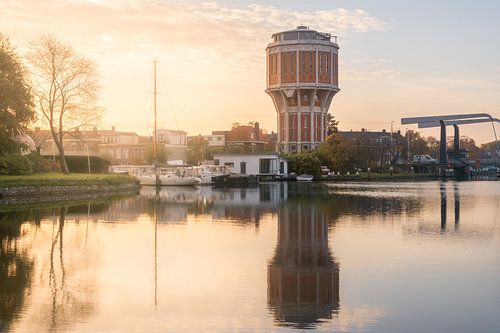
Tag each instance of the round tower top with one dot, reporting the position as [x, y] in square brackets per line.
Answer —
[302, 32]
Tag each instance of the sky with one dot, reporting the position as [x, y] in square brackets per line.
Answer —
[397, 58]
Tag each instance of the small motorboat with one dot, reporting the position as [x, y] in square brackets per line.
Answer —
[305, 178]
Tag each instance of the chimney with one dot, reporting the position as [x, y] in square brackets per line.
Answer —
[257, 131]
[383, 131]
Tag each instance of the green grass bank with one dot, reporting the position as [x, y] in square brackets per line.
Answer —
[60, 179]
[41, 187]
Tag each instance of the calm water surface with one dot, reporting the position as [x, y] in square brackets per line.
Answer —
[376, 257]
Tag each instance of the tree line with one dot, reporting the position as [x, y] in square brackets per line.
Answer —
[343, 155]
[52, 84]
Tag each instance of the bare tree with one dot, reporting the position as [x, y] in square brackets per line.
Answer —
[66, 88]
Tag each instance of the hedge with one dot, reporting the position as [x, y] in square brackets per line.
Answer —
[15, 165]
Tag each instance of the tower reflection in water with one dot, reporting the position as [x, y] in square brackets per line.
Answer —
[303, 277]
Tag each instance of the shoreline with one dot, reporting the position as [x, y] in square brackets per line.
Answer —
[59, 187]
[13, 204]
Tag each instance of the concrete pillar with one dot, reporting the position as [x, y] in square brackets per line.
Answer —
[456, 143]
[442, 146]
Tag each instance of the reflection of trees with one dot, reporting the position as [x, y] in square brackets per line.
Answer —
[64, 291]
[303, 277]
[69, 302]
[335, 205]
[16, 270]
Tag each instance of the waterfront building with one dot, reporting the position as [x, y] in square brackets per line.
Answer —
[240, 138]
[302, 79]
[122, 147]
[257, 164]
[216, 139]
[118, 147]
[174, 142]
[247, 138]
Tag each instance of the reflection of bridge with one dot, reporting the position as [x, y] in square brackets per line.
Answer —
[459, 162]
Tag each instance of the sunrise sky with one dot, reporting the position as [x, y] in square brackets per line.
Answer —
[397, 58]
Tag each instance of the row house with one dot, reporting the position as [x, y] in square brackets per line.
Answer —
[118, 147]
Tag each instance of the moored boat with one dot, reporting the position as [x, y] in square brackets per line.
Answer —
[172, 179]
[305, 178]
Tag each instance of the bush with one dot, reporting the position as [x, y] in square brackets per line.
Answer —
[15, 165]
[41, 164]
[79, 164]
[305, 162]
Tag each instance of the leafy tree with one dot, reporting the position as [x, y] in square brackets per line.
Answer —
[161, 154]
[197, 148]
[333, 125]
[491, 149]
[305, 162]
[338, 154]
[470, 145]
[65, 87]
[433, 146]
[16, 103]
[418, 144]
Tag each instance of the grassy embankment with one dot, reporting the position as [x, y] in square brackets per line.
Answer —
[60, 179]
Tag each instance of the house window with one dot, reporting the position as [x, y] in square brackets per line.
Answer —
[282, 167]
[229, 164]
[265, 165]
[219, 138]
[243, 167]
[216, 162]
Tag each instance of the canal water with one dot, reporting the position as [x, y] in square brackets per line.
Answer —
[283, 257]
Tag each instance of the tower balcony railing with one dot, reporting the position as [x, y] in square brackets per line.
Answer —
[303, 35]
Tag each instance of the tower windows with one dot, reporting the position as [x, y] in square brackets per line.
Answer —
[292, 119]
[321, 62]
[306, 129]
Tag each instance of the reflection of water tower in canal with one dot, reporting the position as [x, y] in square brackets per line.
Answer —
[303, 278]
[302, 78]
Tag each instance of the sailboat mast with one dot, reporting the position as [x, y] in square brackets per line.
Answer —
[155, 136]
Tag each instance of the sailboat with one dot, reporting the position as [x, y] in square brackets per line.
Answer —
[165, 179]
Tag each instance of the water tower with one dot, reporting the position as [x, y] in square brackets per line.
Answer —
[302, 78]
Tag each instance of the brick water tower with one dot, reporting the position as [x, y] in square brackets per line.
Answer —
[302, 78]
